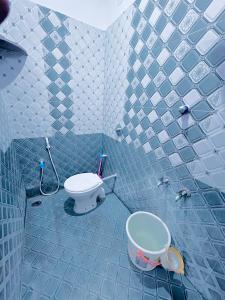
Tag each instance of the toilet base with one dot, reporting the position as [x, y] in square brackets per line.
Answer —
[82, 210]
[85, 204]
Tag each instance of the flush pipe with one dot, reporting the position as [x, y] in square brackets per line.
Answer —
[42, 166]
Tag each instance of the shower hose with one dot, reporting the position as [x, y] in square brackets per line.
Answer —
[55, 171]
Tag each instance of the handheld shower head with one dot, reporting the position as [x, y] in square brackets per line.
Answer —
[47, 143]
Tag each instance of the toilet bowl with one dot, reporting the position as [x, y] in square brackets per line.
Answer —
[85, 189]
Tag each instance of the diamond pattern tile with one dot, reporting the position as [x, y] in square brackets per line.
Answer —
[79, 82]
[182, 55]
[58, 262]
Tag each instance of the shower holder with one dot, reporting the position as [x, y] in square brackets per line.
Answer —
[118, 131]
[163, 181]
[183, 194]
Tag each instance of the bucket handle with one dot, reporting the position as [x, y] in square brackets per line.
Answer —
[147, 260]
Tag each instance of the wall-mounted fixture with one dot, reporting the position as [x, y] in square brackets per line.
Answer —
[119, 131]
[163, 180]
[12, 60]
[183, 109]
[183, 194]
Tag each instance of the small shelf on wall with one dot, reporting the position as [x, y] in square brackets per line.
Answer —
[12, 60]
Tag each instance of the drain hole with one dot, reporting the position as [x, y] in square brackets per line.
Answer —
[37, 203]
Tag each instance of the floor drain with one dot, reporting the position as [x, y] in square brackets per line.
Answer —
[37, 203]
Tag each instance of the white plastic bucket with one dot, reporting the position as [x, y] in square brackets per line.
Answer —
[148, 239]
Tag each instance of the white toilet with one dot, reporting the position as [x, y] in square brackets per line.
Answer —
[85, 189]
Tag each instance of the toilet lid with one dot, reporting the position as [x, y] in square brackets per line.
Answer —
[82, 182]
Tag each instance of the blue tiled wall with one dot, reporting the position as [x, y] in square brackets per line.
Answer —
[58, 94]
[12, 60]
[48, 98]
[61, 84]
[196, 223]
[12, 202]
[71, 153]
[158, 56]
[175, 57]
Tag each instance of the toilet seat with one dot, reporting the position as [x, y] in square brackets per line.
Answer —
[81, 183]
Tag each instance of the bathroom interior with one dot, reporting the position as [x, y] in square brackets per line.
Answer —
[111, 109]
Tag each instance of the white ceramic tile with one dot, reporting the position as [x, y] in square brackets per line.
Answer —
[130, 127]
[217, 99]
[140, 115]
[188, 21]
[186, 121]
[150, 133]
[143, 99]
[214, 10]
[159, 153]
[139, 129]
[156, 98]
[167, 32]
[218, 139]
[139, 46]
[142, 5]
[163, 56]
[171, 7]
[176, 76]
[221, 70]
[141, 25]
[207, 179]
[134, 83]
[200, 71]
[136, 65]
[211, 124]
[54, 19]
[221, 113]
[196, 167]
[192, 98]
[137, 143]
[180, 141]
[207, 42]
[58, 68]
[155, 16]
[159, 79]
[131, 113]
[203, 147]
[218, 179]
[148, 61]
[128, 139]
[153, 116]
[163, 136]
[167, 118]
[145, 81]
[182, 50]
[175, 159]
[133, 99]
[147, 147]
[151, 40]
[171, 98]
[213, 162]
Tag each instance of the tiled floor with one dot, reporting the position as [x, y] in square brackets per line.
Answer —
[85, 257]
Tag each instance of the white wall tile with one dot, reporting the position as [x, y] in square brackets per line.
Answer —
[214, 10]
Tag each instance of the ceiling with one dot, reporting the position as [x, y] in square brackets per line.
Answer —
[98, 13]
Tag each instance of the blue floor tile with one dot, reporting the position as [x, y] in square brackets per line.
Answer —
[85, 257]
